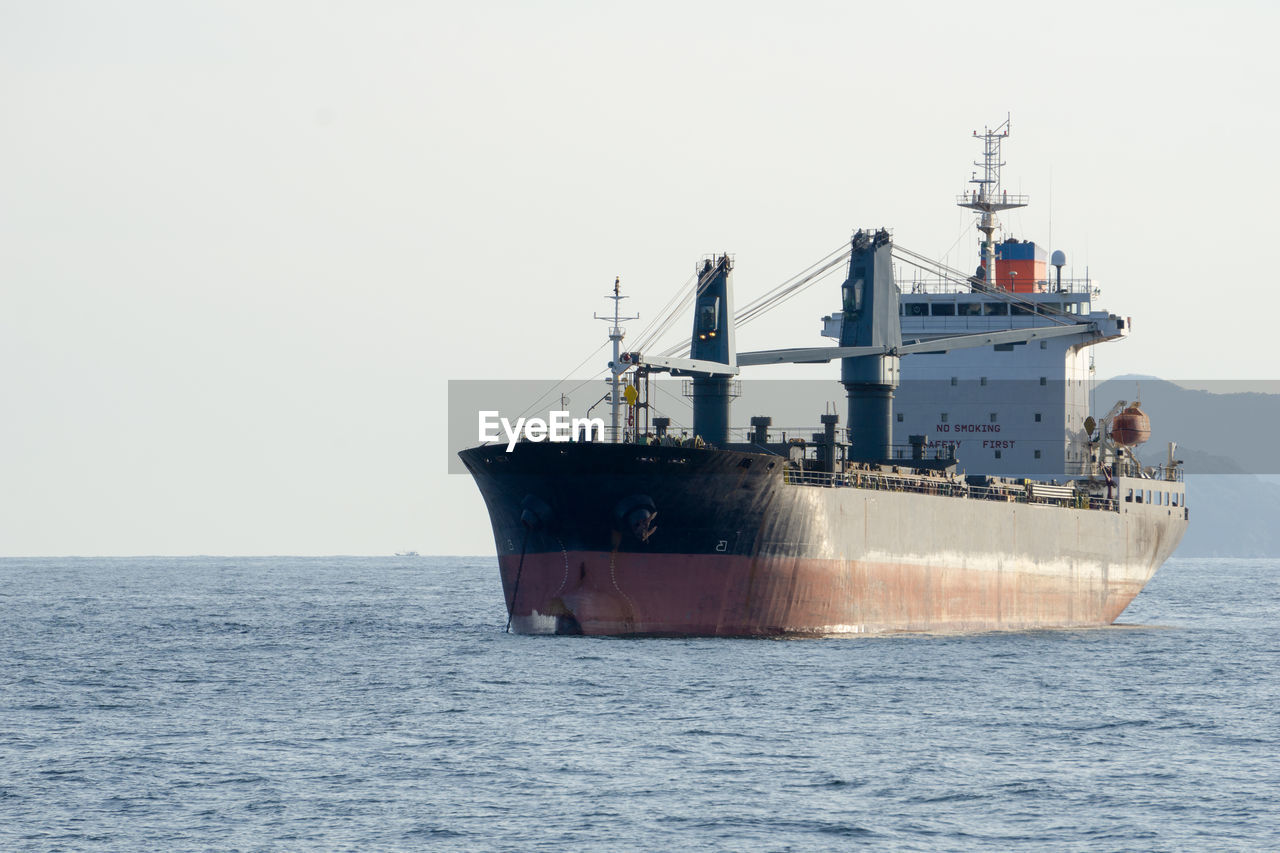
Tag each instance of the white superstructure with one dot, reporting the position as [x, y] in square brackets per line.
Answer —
[1014, 410]
[1010, 409]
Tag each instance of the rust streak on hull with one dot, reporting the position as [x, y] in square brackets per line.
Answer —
[713, 595]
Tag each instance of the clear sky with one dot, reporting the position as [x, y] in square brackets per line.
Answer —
[243, 246]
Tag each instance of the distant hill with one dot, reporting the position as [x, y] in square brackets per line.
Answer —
[1217, 433]
[1225, 441]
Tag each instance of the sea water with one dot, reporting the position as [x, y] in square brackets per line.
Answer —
[375, 704]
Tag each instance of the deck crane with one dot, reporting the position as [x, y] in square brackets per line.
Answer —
[869, 349]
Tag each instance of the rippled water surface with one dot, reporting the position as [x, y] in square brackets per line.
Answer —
[375, 704]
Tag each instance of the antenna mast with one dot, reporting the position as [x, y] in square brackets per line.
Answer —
[616, 369]
[988, 198]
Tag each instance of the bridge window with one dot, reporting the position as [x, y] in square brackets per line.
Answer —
[708, 315]
[995, 309]
[944, 309]
[970, 309]
[1021, 310]
[853, 293]
[916, 309]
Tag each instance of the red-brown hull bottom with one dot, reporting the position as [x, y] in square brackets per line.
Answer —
[627, 539]
[603, 593]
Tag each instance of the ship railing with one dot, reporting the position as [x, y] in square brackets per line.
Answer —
[734, 389]
[803, 437]
[1031, 493]
[1050, 284]
[798, 436]
[1164, 473]
[811, 439]
[1081, 468]
[996, 200]
[874, 481]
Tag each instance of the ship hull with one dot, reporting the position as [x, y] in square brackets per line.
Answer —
[736, 550]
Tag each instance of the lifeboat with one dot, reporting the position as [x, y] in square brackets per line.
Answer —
[1131, 427]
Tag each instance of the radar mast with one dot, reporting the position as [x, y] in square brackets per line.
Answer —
[616, 367]
[988, 198]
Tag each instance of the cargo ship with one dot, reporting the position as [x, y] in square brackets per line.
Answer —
[844, 530]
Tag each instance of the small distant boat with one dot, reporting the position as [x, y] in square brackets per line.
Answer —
[407, 554]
